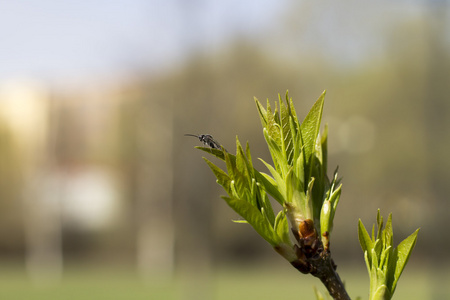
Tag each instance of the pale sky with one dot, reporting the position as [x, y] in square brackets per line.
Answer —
[57, 41]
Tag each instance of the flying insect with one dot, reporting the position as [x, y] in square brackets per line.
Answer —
[207, 140]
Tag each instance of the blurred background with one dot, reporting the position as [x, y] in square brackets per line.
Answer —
[101, 195]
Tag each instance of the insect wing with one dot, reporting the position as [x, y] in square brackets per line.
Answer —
[209, 141]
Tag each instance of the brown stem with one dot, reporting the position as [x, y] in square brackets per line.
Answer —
[315, 259]
[330, 278]
[323, 267]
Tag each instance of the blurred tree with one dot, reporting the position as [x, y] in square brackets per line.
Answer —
[146, 142]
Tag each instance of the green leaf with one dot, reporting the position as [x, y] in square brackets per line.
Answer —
[388, 235]
[293, 193]
[381, 293]
[327, 213]
[216, 152]
[378, 247]
[230, 161]
[240, 221]
[297, 141]
[276, 153]
[334, 199]
[373, 270]
[309, 212]
[325, 216]
[309, 130]
[262, 113]
[281, 184]
[273, 128]
[242, 164]
[324, 146]
[384, 263]
[266, 206]
[249, 157]
[385, 257]
[222, 178]
[276, 115]
[300, 170]
[282, 228]
[402, 253]
[380, 225]
[254, 217]
[287, 140]
[264, 179]
[268, 184]
[365, 241]
[292, 111]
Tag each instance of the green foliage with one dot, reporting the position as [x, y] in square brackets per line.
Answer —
[298, 177]
[298, 181]
[384, 263]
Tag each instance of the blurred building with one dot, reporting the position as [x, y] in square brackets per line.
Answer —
[69, 167]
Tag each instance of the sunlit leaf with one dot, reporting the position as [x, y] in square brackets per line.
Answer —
[276, 153]
[365, 240]
[254, 218]
[249, 157]
[268, 185]
[278, 179]
[242, 164]
[388, 232]
[287, 140]
[324, 146]
[282, 227]
[262, 113]
[273, 128]
[222, 178]
[267, 207]
[403, 252]
[309, 130]
[380, 225]
[216, 152]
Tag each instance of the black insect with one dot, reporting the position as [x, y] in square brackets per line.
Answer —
[207, 140]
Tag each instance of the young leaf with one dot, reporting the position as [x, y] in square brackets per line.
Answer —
[254, 217]
[402, 253]
[365, 240]
[273, 128]
[242, 164]
[309, 130]
[388, 235]
[292, 111]
[230, 161]
[296, 140]
[266, 206]
[268, 185]
[287, 140]
[380, 225]
[249, 157]
[282, 228]
[216, 152]
[222, 178]
[262, 113]
[324, 146]
[276, 152]
[325, 215]
[278, 179]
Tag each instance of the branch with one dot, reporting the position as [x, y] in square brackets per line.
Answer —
[323, 267]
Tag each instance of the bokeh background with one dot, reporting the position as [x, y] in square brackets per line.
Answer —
[101, 195]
